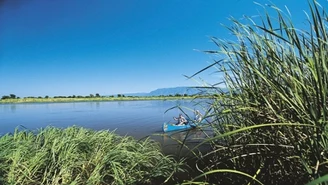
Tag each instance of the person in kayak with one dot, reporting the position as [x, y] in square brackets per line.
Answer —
[198, 116]
[181, 120]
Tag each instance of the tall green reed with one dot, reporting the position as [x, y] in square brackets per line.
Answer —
[272, 122]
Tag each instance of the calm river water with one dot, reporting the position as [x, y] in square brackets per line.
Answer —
[135, 118]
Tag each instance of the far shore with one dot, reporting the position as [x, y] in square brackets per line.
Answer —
[90, 99]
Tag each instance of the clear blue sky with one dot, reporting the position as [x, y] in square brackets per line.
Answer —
[82, 47]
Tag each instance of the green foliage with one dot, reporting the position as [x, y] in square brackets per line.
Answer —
[5, 97]
[11, 96]
[80, 156]
[272, 123]
[321, 180]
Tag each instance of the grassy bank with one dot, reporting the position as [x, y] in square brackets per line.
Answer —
[81, 156]
[50, 100]
[271, 127]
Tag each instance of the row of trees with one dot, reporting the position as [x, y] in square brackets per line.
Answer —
[97, 95]
[79, 96]
[11, 96]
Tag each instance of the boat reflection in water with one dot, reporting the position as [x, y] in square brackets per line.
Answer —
[183, 143]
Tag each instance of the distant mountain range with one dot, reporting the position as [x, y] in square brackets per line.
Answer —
[174, 91]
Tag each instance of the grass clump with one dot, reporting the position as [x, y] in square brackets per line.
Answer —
[80, 156]
[272, 122]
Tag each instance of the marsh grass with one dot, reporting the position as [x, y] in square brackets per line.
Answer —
[80, 156]
[272, 124]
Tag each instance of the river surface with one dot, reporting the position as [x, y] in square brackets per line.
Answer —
[138, 119]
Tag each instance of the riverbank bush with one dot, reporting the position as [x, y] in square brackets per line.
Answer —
[272, 124]
[80, 156]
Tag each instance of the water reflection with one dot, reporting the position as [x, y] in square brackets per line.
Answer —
[8, 108]
[13, 108]
[184, 143]
[136, 118]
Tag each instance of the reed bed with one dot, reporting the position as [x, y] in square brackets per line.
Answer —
[271, 125]
[80, 156]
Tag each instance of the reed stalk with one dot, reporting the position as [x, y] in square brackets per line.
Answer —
[272, 122]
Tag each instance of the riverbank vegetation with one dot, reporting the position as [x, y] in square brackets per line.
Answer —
[271, 127]
[80, 156]
[120, 97]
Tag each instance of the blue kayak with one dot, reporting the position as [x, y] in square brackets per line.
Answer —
[169, 127]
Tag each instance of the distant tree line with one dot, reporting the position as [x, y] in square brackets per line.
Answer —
[11, 96]
[178, 95]
[97, 95]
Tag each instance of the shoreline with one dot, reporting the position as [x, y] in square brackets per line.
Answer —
[94, 99]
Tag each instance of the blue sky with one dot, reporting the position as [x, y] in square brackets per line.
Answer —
[82, 47]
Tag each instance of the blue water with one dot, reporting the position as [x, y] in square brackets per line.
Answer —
[135, 118]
